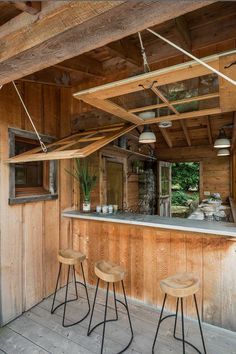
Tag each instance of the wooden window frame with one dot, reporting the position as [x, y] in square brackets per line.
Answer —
[35, 193]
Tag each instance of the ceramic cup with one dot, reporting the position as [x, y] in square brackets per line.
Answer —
[98, 208]
[104, 209]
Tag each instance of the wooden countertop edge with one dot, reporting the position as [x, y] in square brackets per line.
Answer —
[231, 234]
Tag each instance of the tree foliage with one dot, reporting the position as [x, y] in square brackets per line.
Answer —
[185, 174]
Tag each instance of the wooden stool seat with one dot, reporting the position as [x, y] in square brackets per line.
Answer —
[70, 257]
[109, 272]
[180, 285]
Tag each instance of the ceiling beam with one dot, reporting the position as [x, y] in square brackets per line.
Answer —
[78, 27]
[186, 133]
[209, 130]
[84, 64]
[31, 7]
[54, 76]
[125, 49]
[166, 136]
[183, 32]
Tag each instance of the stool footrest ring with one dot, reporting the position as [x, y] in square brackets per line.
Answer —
[70, 300]
[125, 304]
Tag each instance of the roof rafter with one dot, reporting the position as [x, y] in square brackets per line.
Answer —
[92, 27]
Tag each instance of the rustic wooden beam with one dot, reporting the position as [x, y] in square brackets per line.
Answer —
[209, 131]
[78, 27]
[125, 49]
[31, 7]
[166, 136]
[84, 64]
[186, 133]
[183, 31]
[53, 76]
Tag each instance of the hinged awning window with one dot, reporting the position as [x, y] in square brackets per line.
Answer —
[79, 145]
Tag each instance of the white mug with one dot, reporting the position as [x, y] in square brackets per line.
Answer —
[98, 208]
[104, 209]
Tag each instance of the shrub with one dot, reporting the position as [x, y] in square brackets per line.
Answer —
[179, 198]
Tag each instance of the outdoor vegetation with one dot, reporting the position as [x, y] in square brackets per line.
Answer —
[185, 188]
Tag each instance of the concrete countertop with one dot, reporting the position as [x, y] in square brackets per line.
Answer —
[201, 226]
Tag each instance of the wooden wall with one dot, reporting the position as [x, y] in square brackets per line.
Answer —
[32, 233]
[216, 177]
[151, 254]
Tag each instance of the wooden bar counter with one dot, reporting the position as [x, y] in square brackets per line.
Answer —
[152, 248]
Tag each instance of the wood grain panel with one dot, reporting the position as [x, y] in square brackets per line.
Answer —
[151, 254]
[30, 235]
[33, 254]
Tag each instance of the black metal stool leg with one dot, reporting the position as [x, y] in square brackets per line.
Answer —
[76, 290]
[114, 294]
[199, 323]
[94, 301]
[130, 324]
[159, 323]
[85, 286]
[105, 317]
[64, 312]
[54, 297]
[176, 317]
[182, 318]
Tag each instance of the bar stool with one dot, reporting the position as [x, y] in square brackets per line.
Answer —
[109, 273]
[70, 258]
[180, 285]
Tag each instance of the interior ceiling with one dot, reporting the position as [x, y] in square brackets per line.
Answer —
[206, 31]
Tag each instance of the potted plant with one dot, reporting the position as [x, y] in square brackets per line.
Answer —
[86, 179]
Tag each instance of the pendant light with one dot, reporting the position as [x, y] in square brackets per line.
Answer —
[223, 152]
[222, 141]
[147, 136]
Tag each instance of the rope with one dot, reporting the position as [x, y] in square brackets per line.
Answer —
[43, 146]
[145, 62]
[233, 82]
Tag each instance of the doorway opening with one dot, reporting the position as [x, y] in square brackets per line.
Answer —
[185, 188]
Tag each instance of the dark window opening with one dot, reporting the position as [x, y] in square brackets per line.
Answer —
[30, 181]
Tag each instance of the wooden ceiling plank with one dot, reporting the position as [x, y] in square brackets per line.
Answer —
[125, 49]
[209, 130]
[83, 64]
[31, 7]
[78, 27]
[186, 133]
[183, 31]
[166, 136]
[182, 101]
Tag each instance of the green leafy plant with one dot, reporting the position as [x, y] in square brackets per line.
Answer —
[185, 174]
[179, 198]
[83, 175]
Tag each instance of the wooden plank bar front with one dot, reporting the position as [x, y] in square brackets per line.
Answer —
[150, 254]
